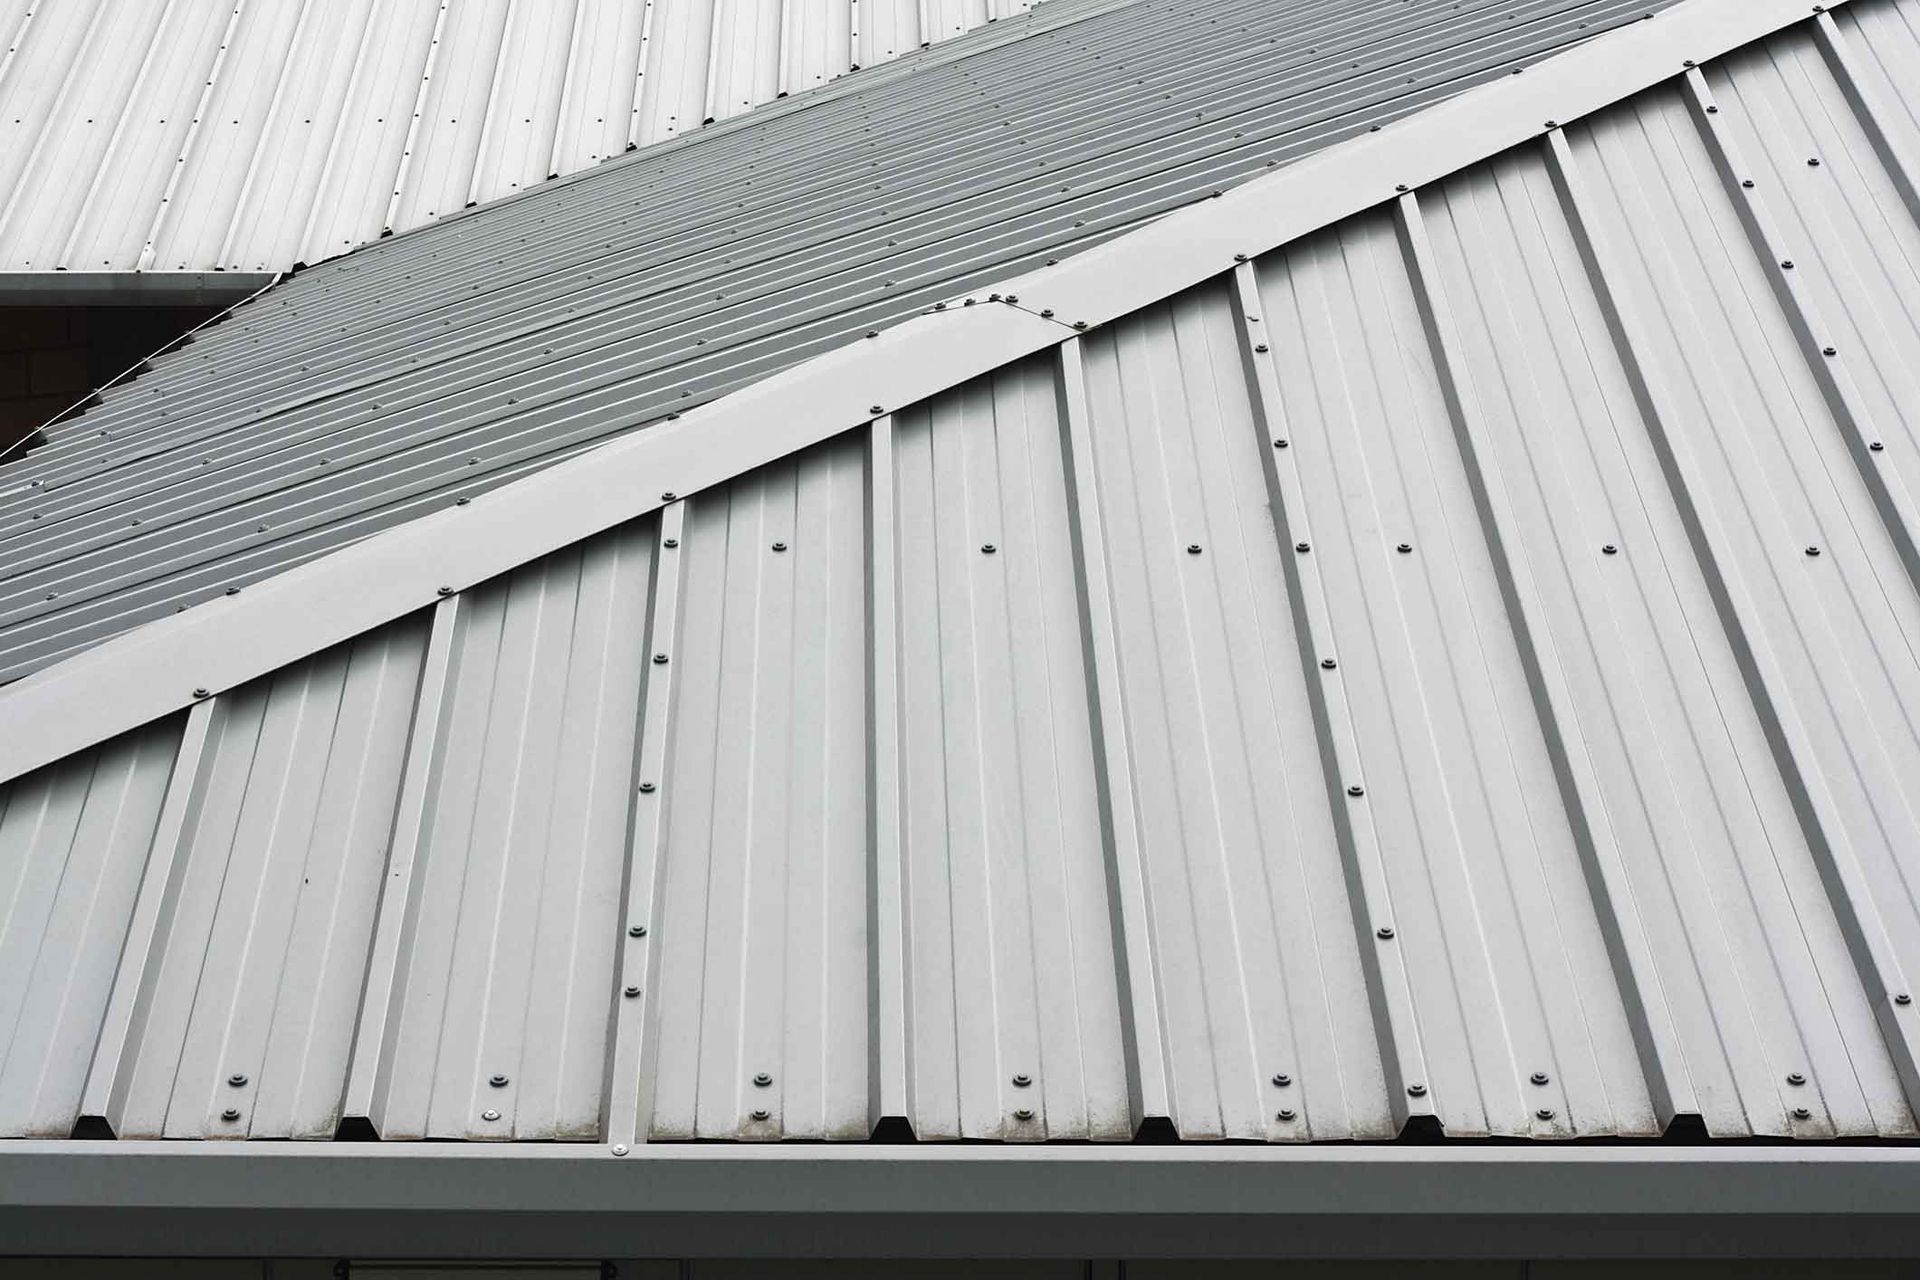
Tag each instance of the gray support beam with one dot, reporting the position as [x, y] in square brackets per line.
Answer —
[632, 1055]
[371, 1071]
[1656, 1040]
[889, 988]
[1809, 327]
[1369, 899]
[1136, 957]
[1793, 754]
[105, 1096]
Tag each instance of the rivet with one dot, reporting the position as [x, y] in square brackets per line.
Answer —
[760, 1113]
[1747, 183]
[619, 1148]
[1384, 932]
[1903, 999]
[1713, 110]
[1022, 1080]
[988, 548]
[1024, 1113]
[1046, 313]
[1405, 548]
[1543, 1113]
[1259, 346]
[1813, 551]
[201, 693]
[1279, 444]
[1284, 1113]
[1079, 324]
[762, 1080]
[633, 993]
[230, 1114]
[1328, 663]
[497, 1081]
[646, 788]
[779, 546]
[1539, 1077]
[1239, 257]
[1813, 162]
[875, 409]
[237, 1080]
[1795, 1078]
[1829, 351]
[489, 1114]
[1609, 550]
[670, 543]
[1876, 446]
[445, 591]
[1193, 548]
[660, 659]
[1687, 63]
[669, 496]
[1283, 1079]
[1303, 547]
[1402, 187]
[1356, 790]
[1416, 1091]
[1801, 1113]
[1552, 124]
[636, 931]
[1013, 297]
[1786, 264]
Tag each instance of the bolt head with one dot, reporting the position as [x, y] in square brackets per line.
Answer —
[201, 693]
[1786, 264]
[1876, 446]
[497, 1081]
[646, 788]
[1328, 664]
[1903, 999]
[1543, 1113]
[1023, 1114]
[489, 1114]
[445, 591]
[1405, 548]
[1829, 351]
[230, 1114]
[1079, 324]
[1303, 547]
[1384, 932]
[1416, 1091]
[238, 1080]
[779, 546]
[1609, 550]
[669, 496]
[632, 993]
[760, 1113]
[1022, 1080]
[1356, 790]
[1813, 551]
[987, 548]
[659, 659]
[1279, 444]
[762, 1080]
[670, 543]
[1193, 548]
[1402, 187]
[1539, 1077]
[619, 1148]
[1747, 183]
[1795, 1078]
[1802, 1113]
[1283, 1114]
[1260, 346]
[636, 931]
[1282, 1079]
[875, 409]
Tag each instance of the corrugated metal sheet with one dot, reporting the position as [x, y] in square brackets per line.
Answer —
[377, 387]
[1458, 664]
[199, 135]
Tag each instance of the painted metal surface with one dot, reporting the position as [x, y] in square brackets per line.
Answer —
[374, 388]
[241, 135]
[1456, 664]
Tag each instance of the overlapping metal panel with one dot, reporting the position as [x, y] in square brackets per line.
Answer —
[1457, 664]
[381, 385]
[199, 135]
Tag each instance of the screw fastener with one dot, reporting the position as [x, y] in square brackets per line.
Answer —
[237, 1080]
[1416, 1091]
[619, 1148]
[1285, 1113]
[1903, 999]
[762, 1080]
[632, 993]
[1356, 790]
[659, 659]
[1795, 1078]
[1328, 664]
[498, 1082]
[1384, 932]
[1539, 1077]
[1193, 548]
[1303, 547]
[1543, 1113]
[987, 548]
[230, 1114]
[646, 788]
[636, 931]
[1024, 1113]
[760, 1113]
[1801, 1113]
[1283, 1079]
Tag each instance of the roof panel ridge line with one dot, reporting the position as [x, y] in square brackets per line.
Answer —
[412, 139]
[1143, 1020]
[1869, 109]
[21, 188]
[633, 1048]
[383, 990]
[110, 1074]
[910, 361]
[1890, 498]
[890, 1091]
[1191, 244]
[151, 243]
[1396, 1021]
[1759, 670]
[1868, 941]
[1630, 955]
[256, 152]
[107, 156]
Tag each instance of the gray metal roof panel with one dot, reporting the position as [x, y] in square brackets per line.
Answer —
[1382, 680]
[436, 363]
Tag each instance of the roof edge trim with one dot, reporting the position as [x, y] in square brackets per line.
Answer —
[157, 669]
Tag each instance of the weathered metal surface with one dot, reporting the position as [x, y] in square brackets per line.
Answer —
[371, 389]
[1458, 663]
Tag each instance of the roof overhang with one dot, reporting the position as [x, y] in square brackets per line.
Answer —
[130, 288]
[901, 1201]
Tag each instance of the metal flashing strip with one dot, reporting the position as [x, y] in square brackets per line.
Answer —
[129, 288]
[480, 1199]
[152, 671]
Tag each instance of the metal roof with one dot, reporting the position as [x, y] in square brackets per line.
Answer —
[237, 135]
[383, 385]
[1425, 636]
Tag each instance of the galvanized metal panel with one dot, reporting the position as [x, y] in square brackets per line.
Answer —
[763, 926]
[259, 974]
[1011, 950]
[1250, 918]
[509, 973]
[73, 844]
[597, 306]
